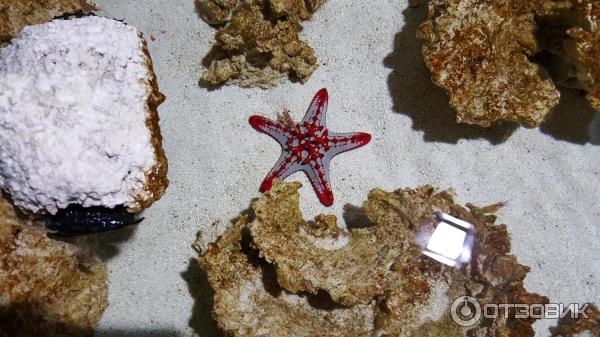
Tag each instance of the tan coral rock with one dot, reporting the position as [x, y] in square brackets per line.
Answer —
[583, 48]
[478, 51]
[259, 42]
[313, 5]
[248, 303]
[377, 269]
[353, 267]
[571, 31]
[14, 15]
[216, 12]
[247, 29]
[281, 8]
[47, 288]
[236, 70]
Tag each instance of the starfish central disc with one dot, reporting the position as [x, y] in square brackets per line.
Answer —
[308, 146]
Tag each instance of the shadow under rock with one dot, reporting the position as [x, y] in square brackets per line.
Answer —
[214, 54]
[201, 321]
[28, 319]
[571, 120]
[355, 217]
[104, 245]
[322, 301]
[415, 95]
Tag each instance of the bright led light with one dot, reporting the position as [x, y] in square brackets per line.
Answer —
[440, 258]
[451, 240]
[447, 240]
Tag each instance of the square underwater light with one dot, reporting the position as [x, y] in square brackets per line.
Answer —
[451, 241]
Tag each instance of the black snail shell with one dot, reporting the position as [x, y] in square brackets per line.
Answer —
[79, 220]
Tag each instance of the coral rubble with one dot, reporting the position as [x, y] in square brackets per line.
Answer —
[14, 15]
[375, 277]
[47, 287]
[257, 43]
[481, 51]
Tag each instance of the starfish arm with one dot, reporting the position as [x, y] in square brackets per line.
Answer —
[286, 165]
[273, 129]
[316, 113]
[343, 142]
[318, 174]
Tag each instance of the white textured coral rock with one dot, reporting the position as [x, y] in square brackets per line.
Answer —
[75, 106]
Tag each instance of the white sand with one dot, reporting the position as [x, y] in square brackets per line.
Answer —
[371, 65]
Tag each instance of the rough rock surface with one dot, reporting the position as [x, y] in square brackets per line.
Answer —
[258, 42]
[14, 15]
[378, 269]
[571, 31]
[353, 267]
[248, 301]
[480, 52]
[47, 287]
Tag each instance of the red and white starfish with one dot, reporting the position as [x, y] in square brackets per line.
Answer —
[308, 146]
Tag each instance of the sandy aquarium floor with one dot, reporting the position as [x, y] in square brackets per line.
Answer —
[370, 62]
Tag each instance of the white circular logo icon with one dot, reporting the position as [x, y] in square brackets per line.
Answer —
[465, 311]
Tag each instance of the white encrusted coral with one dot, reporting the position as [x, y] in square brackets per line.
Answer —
[75, 106]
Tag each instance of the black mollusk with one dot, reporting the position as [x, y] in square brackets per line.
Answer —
[74, 15]
[79, 220]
